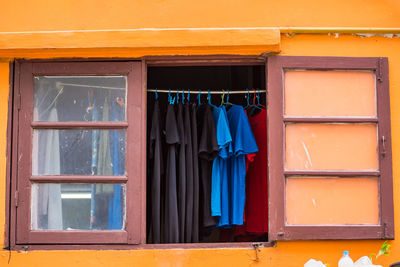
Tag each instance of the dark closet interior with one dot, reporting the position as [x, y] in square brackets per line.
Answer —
[205, 78]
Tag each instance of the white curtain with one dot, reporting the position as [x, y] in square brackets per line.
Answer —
[47, 210]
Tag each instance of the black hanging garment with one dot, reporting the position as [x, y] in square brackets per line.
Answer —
[171, 202]
[208, 150]
[196, 182]
[181, 174]
[189, 175]
[157, 164]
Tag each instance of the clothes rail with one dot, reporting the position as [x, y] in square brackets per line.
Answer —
[90, 86]
[206, 91]
[166, 91]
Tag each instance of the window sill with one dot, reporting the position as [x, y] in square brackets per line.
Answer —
[246, 245]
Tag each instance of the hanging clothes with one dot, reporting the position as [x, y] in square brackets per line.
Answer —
[189, 175]
[220, 165]
[157, 167]
[181, 172]
[208, 151]
[171, 223]
[233, 194]
[257, 178]
[196, 181]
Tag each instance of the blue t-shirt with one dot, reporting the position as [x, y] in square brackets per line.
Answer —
[219, 168]
[235, 139]
[233, 189]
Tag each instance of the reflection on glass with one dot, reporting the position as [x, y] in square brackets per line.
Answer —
[332, 201]
[74, 152]
[78, 207]
[80, 98]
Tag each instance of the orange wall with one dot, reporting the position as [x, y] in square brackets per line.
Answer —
[34, 15]
[29, 15]
[286, 253]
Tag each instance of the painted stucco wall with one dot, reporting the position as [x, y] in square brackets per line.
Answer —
[18, 17]
[34, 15]
[285, 253]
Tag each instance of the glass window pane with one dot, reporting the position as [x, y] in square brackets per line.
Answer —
[78, 152]
[78, 207]
[332, 201]
[330, 93]
[319, 146]
[80, 98]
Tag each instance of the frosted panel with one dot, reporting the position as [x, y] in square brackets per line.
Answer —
[330, 93]
[332, 201]
[318, 146]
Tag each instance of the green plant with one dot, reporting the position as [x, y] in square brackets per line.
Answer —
[384, 250]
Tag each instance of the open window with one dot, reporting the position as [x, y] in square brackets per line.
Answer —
[330, 148]
[80, 169]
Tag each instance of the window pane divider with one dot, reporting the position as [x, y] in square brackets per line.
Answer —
[331, 119]
[78, 179]
[79, 124]
[331, 173]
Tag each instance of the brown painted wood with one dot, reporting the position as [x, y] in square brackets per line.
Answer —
[24, 153]
[278, 228]
[327, 232]
[80, 59]
[328, 63]
[77, 236]
[384, 129]
[9, 155]
[247, 59]
[78, 179]
[78, 125]
[14, 157]
[81, 68]
[143, 140]
[215, 60]
[330, 120]
[372, 174]
[276, 179]
[247, 245]
[133, 160]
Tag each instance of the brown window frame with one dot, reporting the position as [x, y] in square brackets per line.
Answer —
[274, 68]
[276, 123]
[22, 161]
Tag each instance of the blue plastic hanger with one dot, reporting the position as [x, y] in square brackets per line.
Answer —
[209, 99]
[199, 98]
[227, 100]
[248, 102]
[171, 99]
[258, 99]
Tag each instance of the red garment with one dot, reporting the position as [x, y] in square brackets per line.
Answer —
[256, 208]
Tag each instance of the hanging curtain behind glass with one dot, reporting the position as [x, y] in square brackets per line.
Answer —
[47, 212]
[107, 159]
